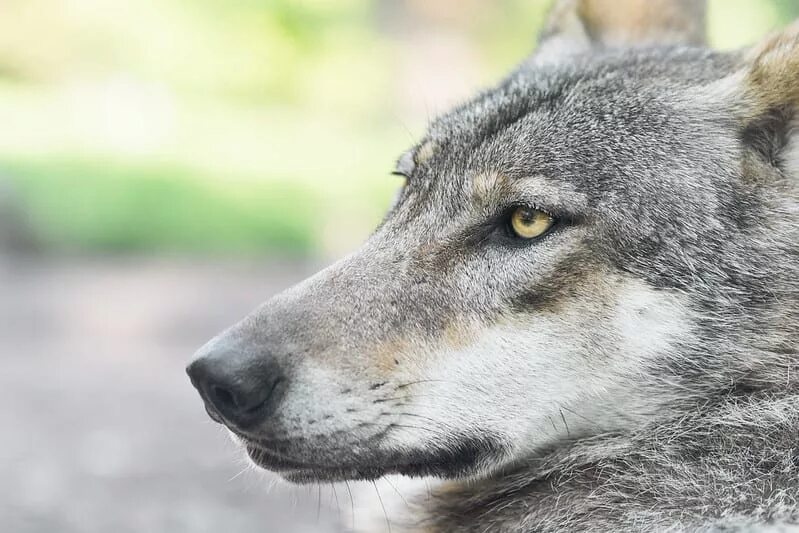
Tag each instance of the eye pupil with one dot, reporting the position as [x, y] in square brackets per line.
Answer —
[528, 223]
[527, 216]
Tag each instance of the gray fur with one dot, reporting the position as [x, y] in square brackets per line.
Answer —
[678, 201]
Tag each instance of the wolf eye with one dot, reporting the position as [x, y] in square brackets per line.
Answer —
[529, 223]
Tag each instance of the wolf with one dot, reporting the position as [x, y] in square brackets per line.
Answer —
[581, 311]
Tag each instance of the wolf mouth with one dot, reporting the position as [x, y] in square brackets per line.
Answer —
[301, 472]
[457, 459]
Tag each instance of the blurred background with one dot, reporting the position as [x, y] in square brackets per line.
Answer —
[166, 165]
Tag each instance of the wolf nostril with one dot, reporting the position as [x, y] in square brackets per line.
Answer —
[223, 398]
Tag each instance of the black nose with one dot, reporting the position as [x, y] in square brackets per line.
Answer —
[240, 387]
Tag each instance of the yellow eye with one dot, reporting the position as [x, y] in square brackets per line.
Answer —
[529, 223]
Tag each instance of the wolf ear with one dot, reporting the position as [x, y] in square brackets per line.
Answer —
[766, 95]
[576, 26]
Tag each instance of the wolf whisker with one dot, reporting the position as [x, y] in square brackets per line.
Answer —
[568, 433]
[388, 522]
[398, 492]
[318, 502]
[422, 417]
[390, 425]
[408, 384]
[352, 503]
[338, 506]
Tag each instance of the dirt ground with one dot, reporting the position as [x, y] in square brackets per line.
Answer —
[101, 430]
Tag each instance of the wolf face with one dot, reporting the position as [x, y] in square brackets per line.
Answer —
[589, 245]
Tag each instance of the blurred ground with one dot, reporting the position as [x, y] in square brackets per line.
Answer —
[102, 430]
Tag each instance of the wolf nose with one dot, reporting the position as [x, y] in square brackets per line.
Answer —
[239, 387]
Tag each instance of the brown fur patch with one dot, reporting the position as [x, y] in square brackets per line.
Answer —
[565, 285]
[454, 335]
[457, 335]
[772, 81]
[486, 188]
[629, 22]
[424, 153]
[388, 353]
[618, 22]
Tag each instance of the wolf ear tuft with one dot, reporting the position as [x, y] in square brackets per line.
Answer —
[576, 26]
[769, 96]
[772, 79]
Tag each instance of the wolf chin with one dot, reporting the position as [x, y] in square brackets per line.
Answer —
[581, 312]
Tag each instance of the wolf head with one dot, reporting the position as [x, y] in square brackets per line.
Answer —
[607, 235]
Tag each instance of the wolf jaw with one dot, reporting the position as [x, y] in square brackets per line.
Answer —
[631, 368]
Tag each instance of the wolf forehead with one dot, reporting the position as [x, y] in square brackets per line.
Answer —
[589, 121]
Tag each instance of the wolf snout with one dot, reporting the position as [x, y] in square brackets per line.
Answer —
[240, 386]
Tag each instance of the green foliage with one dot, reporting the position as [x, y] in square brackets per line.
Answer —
[89, 205]
[245, 126]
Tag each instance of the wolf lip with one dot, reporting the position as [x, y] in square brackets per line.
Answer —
[456, 460]
[301, 472]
